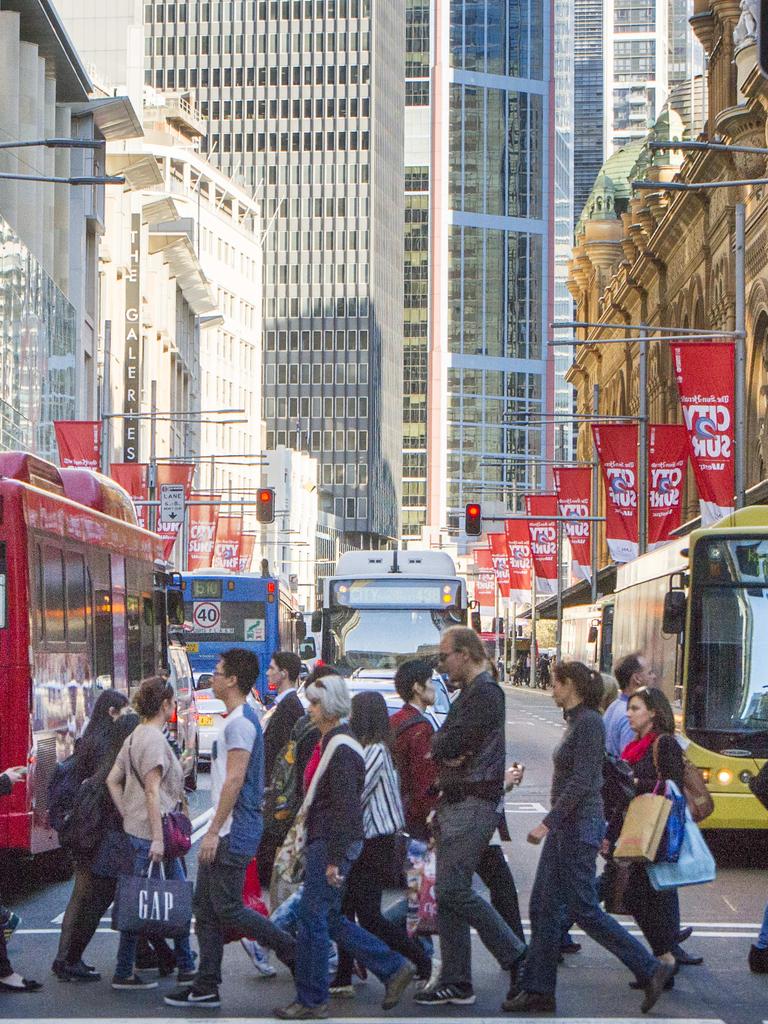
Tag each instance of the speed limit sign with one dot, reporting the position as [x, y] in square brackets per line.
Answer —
[206, 614]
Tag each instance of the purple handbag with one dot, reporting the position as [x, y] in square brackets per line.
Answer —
[177, 834]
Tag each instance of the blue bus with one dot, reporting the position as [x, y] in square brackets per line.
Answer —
[225, 609]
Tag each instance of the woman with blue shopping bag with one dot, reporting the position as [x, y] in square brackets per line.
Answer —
[656, 758]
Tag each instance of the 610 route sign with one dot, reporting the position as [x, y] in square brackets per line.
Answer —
[171, 503]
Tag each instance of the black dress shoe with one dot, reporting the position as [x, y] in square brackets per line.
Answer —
[530, 1002]
[684, 934]
[656, 984]
[686, 960]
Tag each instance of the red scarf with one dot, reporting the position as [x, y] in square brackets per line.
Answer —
[637, 749]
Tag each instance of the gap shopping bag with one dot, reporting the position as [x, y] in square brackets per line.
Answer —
[694, 866]
[643, 828]
[152, 905]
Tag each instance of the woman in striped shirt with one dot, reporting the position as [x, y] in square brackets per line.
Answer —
[383, 819]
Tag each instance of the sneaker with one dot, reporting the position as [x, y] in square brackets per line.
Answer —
[134, 983]
[298, 1011]
[259, 958]
[10, 925]
[397, 984]
[342, 991]
[442, 995]
[530, 1002]
[190, 997]
[656, 985]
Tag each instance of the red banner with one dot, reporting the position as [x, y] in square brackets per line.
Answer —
[485, 580]
[574, 494]
[497, 543]
[667, 458]
[202, 532]
[133, 477]
[172, 473]
[705, 384]
[226, 550]
[247, 544]
[79, 443]
[543, 535]
[519, 549]
[616, 445]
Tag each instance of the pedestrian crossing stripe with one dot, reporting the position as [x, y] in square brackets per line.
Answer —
[197, 1019]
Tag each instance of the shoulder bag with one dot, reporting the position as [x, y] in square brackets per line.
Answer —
[288, 869]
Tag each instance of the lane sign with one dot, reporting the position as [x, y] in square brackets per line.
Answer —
[171, 503]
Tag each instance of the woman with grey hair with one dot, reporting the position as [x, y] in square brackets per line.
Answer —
[334, 780]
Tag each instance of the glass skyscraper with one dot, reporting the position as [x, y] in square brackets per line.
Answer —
[304, 102]
[492, 249]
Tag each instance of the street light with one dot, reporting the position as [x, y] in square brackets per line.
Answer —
[104, 179]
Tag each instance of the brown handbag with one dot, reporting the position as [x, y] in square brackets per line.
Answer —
[697, 796]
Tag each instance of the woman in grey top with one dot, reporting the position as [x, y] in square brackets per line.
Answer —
[573, 832]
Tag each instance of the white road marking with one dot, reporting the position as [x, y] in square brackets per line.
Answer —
[525, 807]
[380, 1020]
[728, 904]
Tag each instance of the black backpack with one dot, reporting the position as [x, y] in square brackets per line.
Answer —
[283, 798]
[62, 791]
[618, 785]
[82, 829]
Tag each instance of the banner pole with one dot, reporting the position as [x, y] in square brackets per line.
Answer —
[595, 493]
[532, 666]
[740, 342]
[559, 624]
[642, 452]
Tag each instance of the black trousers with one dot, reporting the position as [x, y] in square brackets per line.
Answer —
[657, 913]
[88, 902]
[495, 873]
[362, 900]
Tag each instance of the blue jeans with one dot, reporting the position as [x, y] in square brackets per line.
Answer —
[762, 938]
[398, 914]
[126, 951]
[320, 919]
[566, 878]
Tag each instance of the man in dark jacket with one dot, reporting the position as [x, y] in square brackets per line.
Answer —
[470, 754]
[282, 677]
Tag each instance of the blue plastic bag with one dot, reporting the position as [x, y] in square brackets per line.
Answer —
[694, 866]
[674, 831]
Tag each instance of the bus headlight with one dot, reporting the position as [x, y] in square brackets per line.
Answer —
[746, 777]
[706, 774]
[724, 776]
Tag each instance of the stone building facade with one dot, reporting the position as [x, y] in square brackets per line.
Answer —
[667, 258]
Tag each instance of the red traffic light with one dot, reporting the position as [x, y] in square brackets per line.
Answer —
[473, 520]
[265, 509]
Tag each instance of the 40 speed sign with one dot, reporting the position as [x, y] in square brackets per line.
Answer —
[206, 614]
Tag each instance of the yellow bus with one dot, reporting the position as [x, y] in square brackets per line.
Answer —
[697, 608]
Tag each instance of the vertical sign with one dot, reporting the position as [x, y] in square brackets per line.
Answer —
[132, 352]
[574, 489]
[616, 445]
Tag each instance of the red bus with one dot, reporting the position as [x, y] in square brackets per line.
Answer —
[82, 608]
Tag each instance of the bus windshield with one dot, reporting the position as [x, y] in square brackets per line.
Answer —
[385, 638]
[727, 692]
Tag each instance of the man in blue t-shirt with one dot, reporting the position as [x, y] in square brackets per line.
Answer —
[237, 790]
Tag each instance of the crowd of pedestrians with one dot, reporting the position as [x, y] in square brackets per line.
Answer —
[347, 786]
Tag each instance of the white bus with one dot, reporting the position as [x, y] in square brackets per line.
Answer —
[382, 608]
[587, 634]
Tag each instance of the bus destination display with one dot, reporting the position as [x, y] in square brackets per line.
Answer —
[394, 594]
[206, 589]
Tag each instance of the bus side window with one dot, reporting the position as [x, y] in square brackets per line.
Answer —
[54, 614]
[133, 623]
[102, 633]
[76, 606]
[147, 636]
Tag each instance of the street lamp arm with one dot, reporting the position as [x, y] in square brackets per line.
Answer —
[50, 180]
[716, 147]
[692, 186]
[55, 144]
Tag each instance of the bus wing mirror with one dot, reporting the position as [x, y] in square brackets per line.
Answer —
[175, 606]
[673, 620]
[301, 629]
[476, 624]
[592, 634]
[317, 622]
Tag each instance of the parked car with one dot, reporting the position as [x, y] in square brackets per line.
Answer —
[210, 711]
[183, 727]
[383, 681]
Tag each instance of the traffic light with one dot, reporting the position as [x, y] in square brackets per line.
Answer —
[762, 37]
[265, 506]
[473, 520]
